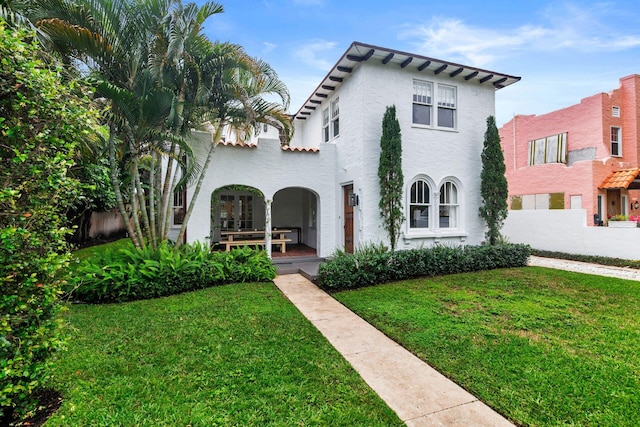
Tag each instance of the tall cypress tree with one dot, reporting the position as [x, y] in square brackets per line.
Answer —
[390, 175]
[493, 183]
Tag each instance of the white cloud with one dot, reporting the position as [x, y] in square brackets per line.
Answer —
[268, 47]
[565, 26]
[315, 52]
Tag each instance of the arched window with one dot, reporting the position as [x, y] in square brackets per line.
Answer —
[419, 204]
[449, 208]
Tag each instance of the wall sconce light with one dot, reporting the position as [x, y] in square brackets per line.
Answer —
[353, 199]
[635, 205]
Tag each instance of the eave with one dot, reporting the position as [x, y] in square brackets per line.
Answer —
[359, 53]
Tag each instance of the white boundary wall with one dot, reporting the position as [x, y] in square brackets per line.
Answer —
[566, 231]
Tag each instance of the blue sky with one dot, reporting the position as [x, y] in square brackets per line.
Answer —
[564, 51]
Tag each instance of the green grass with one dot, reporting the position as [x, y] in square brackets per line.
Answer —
[235, 355]
[541, 346]
[85, 253]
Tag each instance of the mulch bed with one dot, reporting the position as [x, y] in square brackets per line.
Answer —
[48, 402]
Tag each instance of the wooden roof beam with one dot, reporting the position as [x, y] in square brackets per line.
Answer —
[456, 72]
[486, 78]
[440, 69]
[406, 62]
[362, 58]
[424, 65]
[470, 76]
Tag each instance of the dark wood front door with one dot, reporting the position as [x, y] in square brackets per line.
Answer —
[348, 219]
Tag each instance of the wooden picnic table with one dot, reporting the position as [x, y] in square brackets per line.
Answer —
[255, 238]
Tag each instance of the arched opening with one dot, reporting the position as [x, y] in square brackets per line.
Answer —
[297, 209]
[236, 208]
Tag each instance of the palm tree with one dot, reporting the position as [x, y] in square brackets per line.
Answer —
[233, 94]
[160, 77]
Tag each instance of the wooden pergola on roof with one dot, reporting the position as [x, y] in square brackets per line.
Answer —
[360, 52]
[622, 179]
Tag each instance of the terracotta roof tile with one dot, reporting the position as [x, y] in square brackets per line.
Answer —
[299, 149]
[238, 144]
[620, 179]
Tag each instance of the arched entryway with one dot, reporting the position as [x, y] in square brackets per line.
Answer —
[297, 209]
[236, 208]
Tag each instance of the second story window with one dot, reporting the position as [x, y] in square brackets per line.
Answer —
[335, 118]
[616, 142]
[446, 106]
[422, 102]
[325, 125]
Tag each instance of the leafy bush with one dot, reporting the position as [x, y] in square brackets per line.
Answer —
[369, 267]
[41, 118]
[126, 274]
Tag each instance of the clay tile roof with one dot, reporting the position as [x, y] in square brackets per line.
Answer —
[620, 179]
[299, 149]
[238, 144]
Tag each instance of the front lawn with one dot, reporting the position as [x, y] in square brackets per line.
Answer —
[541, 346]
[233, 355]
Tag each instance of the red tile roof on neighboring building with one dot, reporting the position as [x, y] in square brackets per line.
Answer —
[620, 179]
[299, 149]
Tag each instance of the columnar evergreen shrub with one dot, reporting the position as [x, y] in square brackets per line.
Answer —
[493, 183]
[126, 274]
[366, 268]
[40, 119]
[390, 176]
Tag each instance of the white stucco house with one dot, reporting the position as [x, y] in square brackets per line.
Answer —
[324, 185]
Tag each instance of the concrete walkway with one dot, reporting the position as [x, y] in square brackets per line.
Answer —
[419, 394]
[584, 267]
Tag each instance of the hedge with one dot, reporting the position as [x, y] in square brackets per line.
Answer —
[370, 267]
[126, 274]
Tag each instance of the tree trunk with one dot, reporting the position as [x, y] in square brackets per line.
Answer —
[196, 190]
[115, 182]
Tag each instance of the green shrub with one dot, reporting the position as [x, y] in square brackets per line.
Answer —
[41, 120]
[126, 274]
[369, 267]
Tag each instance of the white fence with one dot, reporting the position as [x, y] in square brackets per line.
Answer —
[566, 231]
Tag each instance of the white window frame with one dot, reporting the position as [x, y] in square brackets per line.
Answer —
[447, 101]
[335, 118]
[415, 198]
[325, 125]
[618, 143]
[422, 97]
[179, 206]
[449, 206]
[615, 111]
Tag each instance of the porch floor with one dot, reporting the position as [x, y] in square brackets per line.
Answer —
[295, 251]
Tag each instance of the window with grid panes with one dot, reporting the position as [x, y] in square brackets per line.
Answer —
[448, 209]
[335, 118]
[446, 106]
[419, 205]
[616, 142]
[325, 125]
[422, 102]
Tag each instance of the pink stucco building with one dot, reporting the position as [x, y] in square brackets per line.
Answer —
[585, 156]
